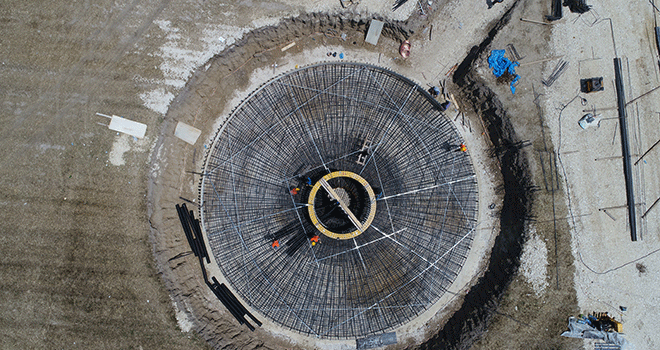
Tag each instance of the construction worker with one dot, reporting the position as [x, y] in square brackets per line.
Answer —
[434, 91]
[444, 105]
[294, 191]
[463, 147]
[314, 240]
[276, 244]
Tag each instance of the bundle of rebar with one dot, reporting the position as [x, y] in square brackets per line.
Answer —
[558, 71]
[515, 56]
[398, 3]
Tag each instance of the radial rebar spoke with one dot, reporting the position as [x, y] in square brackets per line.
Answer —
[384, 195]
[427, 188]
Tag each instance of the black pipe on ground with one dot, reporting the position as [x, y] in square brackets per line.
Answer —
[198, 234]
[199, 240]
[657, 39]
[201, 264]
[190, 217]
[556, 11]
[233, 298]
[196, 241]
[186, 228]
[232, 309]
[625, 148]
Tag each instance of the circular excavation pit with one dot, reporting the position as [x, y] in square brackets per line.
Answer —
[337, 200]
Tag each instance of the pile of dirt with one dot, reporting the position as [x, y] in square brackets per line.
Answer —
[290, 29]
[472, 319]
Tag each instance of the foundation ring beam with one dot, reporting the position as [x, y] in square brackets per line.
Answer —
[413, 200]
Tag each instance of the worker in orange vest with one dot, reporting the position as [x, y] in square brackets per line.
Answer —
[314, 240]
[276, 244]
[463, 147]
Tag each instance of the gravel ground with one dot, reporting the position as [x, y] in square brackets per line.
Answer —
[606, 271]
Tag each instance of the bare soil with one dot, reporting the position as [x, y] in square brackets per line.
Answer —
[520, 318]
[499, 299]
[79, 235]
[502, 310]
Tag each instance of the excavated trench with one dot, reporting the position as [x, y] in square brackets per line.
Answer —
[471, 320]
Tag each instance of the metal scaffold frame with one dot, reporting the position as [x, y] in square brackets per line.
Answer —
[302, 126]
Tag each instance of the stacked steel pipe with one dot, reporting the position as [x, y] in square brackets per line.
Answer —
[193, 233]
[231, 303]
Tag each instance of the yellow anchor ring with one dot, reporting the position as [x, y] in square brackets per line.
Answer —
[360, 226]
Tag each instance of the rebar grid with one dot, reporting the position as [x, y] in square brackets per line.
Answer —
[299, 127]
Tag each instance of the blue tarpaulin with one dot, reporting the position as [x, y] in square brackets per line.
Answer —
[501, 64]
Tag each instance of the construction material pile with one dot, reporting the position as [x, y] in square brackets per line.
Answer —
[597, 326]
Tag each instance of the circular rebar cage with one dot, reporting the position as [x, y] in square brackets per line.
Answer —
[281, 143]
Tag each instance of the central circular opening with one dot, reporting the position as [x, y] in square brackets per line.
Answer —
[341, 205]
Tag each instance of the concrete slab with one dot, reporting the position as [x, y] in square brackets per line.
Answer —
[128, 126]
[187, 133]
[375, 27]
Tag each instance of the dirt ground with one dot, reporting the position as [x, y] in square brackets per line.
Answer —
[90, 244]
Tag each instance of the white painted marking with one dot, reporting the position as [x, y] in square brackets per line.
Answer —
[119, 148]
[182, 318]
[158, 100]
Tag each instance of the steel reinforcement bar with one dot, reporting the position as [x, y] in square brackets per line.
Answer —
[625, 148]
